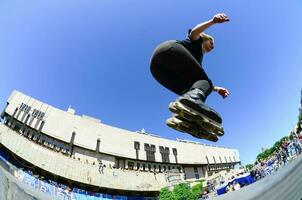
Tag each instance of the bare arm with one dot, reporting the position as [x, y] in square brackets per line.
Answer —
[218, 18]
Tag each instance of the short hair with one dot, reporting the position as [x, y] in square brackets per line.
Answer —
[206, 37]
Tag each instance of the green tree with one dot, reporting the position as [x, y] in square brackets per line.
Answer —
[183, 192]
[265, 154]
[277, 145]
[249, 166]
[197, 190]
[300, 118]
[284, 138]
[165, 194]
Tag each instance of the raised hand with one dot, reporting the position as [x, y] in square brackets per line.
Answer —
[222, 91]
[220, 18]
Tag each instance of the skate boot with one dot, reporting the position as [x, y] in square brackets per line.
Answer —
[191, 106]
[183, 125]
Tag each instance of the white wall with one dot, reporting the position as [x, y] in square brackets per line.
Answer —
[114, 141]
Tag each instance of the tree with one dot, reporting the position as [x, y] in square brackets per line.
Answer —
[165, 194]
[249, 166]
[284, 138]
[265, 154]
[197, 190]
[183, 192]
[277, 145]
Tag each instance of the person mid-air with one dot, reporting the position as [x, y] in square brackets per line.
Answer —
[177, 65]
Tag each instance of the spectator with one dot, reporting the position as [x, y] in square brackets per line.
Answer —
[101, 167]
[205, 195]
[229, 188]
[297, 145]
[236, 186]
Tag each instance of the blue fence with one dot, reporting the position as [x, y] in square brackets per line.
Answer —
[60, 193]
[63, 194]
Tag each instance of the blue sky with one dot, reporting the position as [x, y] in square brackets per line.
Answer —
[94, 55]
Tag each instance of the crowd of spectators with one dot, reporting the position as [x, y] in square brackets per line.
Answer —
[289, 149]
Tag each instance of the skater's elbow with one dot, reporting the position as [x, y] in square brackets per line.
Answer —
[194, 35]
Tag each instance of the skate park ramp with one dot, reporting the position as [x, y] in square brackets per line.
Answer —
[285, 184]
[12, 189]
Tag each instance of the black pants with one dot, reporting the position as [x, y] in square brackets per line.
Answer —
[173, 66]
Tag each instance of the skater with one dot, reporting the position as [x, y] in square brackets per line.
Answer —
[177, 65]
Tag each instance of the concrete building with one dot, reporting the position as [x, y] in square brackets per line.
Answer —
[83, 152]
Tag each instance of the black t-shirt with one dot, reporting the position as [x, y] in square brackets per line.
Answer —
[193, 46]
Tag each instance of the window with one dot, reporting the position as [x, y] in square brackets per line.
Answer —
[130, 165]
[150, 152]
[136, 147]
[174, 151]
[38, 114]
[175, 154]
[164, 151]
[24, 107]
[195, 170]
[138, 166]
[179, 169]
[196, 173]
[97, 149]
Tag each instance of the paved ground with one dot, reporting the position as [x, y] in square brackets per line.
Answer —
[285, 184]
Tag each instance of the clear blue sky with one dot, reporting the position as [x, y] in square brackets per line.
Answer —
[94, 55]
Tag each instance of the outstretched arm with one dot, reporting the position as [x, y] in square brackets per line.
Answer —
[222, 91]
[218, 18]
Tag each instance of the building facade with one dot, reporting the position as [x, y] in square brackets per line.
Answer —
[82, 151]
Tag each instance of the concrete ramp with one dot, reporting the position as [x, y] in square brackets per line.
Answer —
[12, 189]
[285, 184]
